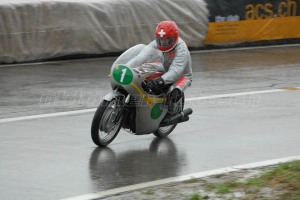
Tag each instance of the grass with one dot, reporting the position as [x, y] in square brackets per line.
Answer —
[148, 192]
[224, 188]
[285, 178]
[195, 197]
[192, 180]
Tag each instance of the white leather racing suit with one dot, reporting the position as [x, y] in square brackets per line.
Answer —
[177, 64]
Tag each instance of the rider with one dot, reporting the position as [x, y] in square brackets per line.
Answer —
[176, 62]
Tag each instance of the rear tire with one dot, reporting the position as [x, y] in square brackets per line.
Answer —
[103, 130]
[165, 131]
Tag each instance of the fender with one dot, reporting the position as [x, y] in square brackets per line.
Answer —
[112, 95]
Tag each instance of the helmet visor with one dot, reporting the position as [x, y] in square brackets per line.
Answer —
[165, 42]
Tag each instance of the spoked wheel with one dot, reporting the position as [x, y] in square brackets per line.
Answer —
[165, 131]
[105, 127]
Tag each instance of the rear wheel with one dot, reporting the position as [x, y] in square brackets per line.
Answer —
[104, 125]
[165, 131]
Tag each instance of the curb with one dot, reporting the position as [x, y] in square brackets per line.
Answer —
[183, 178]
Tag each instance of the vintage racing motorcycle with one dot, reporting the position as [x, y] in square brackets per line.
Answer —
[131, 105]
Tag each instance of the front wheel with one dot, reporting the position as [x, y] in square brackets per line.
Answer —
[104, 125]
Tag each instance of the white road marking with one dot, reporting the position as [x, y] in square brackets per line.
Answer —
[234, 94]
[182, 178]
[14, 119]
[47, 115]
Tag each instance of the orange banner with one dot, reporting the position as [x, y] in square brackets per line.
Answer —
[253, 30]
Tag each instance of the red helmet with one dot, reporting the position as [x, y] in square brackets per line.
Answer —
[167, 35]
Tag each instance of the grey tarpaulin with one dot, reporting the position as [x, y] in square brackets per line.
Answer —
[39, 29]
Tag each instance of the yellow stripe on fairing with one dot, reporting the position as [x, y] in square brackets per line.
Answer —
[147, 99]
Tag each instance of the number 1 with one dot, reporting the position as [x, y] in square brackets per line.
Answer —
[123, 75]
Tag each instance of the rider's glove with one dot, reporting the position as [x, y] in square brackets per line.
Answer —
[155, 83]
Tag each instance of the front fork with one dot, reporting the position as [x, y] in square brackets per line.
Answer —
[120, 107]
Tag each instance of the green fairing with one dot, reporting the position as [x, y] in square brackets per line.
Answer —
[156, 111]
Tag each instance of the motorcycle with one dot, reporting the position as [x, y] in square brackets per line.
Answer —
[131, 105]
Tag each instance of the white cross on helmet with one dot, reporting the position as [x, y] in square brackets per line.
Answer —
[162, 33]
[166, 35]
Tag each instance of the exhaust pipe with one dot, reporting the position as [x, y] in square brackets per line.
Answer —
[179, 118]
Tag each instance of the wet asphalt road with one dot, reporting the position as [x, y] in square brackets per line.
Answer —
[54, 158]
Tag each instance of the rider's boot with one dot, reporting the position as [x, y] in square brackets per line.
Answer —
[173, 103]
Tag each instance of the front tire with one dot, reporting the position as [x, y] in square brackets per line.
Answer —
[104, 129]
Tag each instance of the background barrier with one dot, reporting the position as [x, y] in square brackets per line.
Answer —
[42, 29]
